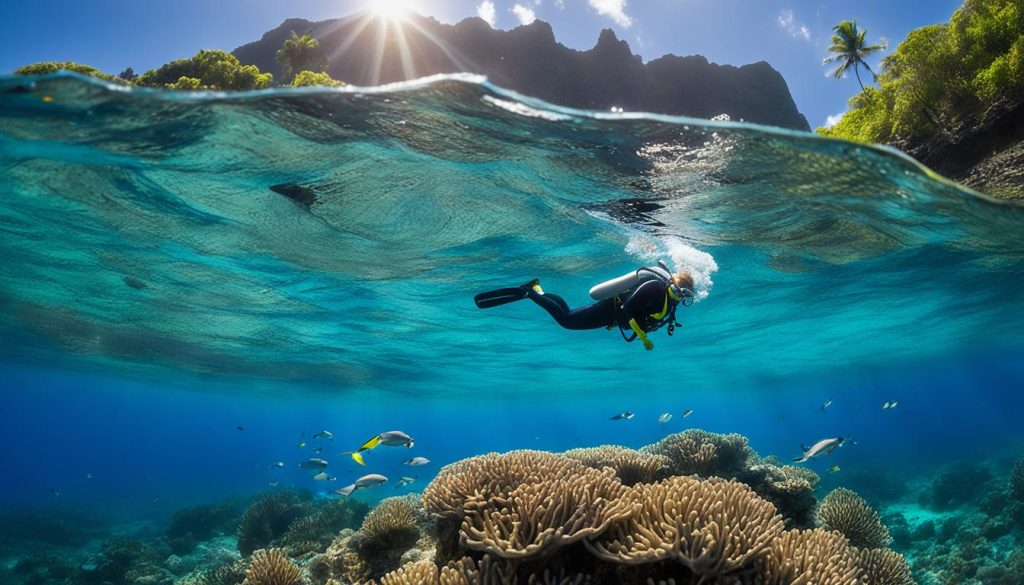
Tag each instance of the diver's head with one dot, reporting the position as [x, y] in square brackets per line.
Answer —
[682, 282]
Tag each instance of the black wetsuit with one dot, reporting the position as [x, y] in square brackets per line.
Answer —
[640, 304]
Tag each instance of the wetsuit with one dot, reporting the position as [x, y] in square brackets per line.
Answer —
[642, 304]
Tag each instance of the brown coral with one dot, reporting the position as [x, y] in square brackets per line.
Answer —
[1017, 480]
[272, 567]
[697, 452]
[789, 488]
[805, 557]
[631, 466]
[715, 528]
[884, 567]
[847, 513]
[464, 571]
[316, 531]
[267, 519]
[391, 517]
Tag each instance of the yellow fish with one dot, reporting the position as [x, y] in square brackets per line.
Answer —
[833, 469]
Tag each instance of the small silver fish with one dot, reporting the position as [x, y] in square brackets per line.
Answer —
[367, 481]
[889, 405]
[322, 476]
[821, 448]
[416, 461]
[318, 449]
[313, 463]
[664, 418]
[687, 412]
[324, 435]
[622, 416]
[827, 404]
[277, 464]
[404, 481]
[275, 483]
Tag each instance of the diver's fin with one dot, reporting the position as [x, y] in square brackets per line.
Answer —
[502, 296]
[369, 444]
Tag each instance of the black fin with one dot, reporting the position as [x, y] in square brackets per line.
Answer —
[502, 296]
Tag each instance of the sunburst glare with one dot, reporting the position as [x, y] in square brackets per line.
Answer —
[391, 10]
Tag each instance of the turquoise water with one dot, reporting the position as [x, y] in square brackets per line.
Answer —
[157, 294]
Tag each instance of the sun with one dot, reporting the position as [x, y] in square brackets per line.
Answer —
[391, 10]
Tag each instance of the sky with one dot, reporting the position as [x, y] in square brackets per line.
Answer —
[791, 35]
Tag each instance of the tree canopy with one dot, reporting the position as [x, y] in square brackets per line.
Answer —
[299, 54]
[207, 70]
[46, 67]
[849, 48]
[306, 78]
[943, 77]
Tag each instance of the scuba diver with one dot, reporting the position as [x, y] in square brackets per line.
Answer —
[641, 301]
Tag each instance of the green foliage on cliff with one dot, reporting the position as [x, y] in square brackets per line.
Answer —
[305, 78]
[46, 67]
[942, 77]
[207, 70]
[299, 54]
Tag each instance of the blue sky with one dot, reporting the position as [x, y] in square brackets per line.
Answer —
[792, 35]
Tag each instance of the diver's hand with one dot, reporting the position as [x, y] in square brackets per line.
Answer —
[648, 344]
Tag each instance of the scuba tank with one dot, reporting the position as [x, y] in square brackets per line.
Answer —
[630, 280]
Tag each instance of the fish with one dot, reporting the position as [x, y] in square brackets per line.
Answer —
[664, 418]
[622, 416]
[278, 464]
[302, 444]
[313, 463]
[88, 476]
[324, 435]
[404, 481]
[55, 492]
[240, 428]
[388, 439]
[318, 450]
[833, 469]
[889, 405]
[366, 481]
[274, 483]
[821, 448]
[687, 412]
[322, 476]
[416, 461]
[826, 404]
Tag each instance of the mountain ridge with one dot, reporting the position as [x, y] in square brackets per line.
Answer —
[607, 75]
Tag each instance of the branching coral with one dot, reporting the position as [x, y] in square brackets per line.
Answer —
[229, 574]
[697, 452]
[631, 466]
[884, 567]
[272, 567]
[391, 523]
[847, 513]
[1017, 480]
[464, 571]
[266, 519]
[316, 531]
[806, 557]
[715, 528]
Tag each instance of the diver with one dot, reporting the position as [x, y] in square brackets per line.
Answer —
[641, 301]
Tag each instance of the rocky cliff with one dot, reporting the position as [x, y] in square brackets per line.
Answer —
[529, 60]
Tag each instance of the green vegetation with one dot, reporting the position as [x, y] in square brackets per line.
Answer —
[849, 49]
[206, 70]
[299, 54]
[942, 78]
[306, 78]
[46, 67]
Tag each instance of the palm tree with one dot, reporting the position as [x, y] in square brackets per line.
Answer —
[849, 49]
[299, 54]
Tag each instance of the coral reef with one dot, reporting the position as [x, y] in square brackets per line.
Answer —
[959, 484]
[847, 513]
[789, 488]
[272, 567]
[388, 531]
[884, 567]
[817, 557]
[697, 452]
[193, 524]
[267, 519]
[1017, 480]
[631, 466]
[314, 533]
[714, 528]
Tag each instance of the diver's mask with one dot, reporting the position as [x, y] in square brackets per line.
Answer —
[684, 295]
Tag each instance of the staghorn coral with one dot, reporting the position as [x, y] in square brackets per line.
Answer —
[464, 571]
[715, 528]
[266, 519]
[884, 567]
[697, 452]
[420, 573]
[540, 516]
[1017, 480]
[806, 557]
[631, 466]
[790, 489]
[847, 513]
[272, 567]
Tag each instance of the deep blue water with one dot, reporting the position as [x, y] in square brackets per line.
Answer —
[155, 293]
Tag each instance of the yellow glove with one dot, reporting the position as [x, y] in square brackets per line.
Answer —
[648, 344]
